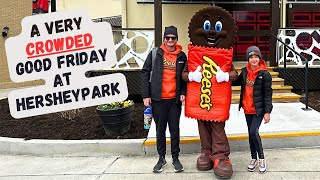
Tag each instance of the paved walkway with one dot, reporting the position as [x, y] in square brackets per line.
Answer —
[285, 117]
[298, 163]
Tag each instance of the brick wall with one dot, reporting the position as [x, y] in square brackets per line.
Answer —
[11, 14]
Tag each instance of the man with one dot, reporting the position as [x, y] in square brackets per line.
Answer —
[166, 90]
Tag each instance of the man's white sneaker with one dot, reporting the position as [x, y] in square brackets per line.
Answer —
[262, 166]
[252, 165]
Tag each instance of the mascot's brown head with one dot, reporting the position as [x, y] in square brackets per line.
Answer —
[212, 27]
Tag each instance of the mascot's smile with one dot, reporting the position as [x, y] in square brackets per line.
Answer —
[212, 41]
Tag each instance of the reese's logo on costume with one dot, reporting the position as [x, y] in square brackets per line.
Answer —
[209, 68]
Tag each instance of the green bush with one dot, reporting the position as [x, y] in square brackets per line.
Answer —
[115, 105]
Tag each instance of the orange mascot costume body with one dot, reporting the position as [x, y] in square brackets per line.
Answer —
[212, 31]
[215, 98]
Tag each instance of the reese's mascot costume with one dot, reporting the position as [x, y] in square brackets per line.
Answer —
[212, 32]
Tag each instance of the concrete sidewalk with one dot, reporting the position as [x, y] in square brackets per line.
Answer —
[285, 117]
[298, 163]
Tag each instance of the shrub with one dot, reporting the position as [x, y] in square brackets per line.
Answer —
[115, 105]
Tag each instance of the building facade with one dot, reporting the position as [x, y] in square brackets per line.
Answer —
[253, 18]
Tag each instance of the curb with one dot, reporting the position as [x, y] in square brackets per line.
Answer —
[142, 147]
[240, 142]
[152, 142]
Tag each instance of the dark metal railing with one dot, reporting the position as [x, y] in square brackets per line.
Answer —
[306, 69]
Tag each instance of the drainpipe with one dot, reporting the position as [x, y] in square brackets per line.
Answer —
[284, 13]
[124, 13]
[283, 24]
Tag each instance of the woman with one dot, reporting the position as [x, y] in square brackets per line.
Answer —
[256, 101]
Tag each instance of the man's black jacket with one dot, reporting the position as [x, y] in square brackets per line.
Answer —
[262, 91]
[153, 89]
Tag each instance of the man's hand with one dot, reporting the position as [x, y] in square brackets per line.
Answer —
[222, 76]
[196, 75]
[147, 102]
[266, 118]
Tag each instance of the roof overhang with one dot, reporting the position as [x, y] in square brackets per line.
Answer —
[207, 1]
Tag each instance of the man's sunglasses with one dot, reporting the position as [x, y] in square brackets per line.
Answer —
[168, 38]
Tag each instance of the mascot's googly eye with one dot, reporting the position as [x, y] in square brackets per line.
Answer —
[218, 26]
[207, 25]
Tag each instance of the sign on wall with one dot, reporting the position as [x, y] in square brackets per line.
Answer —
[60, 48]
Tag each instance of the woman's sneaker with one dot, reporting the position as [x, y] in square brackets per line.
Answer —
[262, 166]
[177, 166]
[160, 164]
[252, 165]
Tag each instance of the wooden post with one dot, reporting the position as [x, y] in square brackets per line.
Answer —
[157, 22]
[275, 23]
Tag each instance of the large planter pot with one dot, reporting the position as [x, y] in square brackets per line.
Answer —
[116, 122]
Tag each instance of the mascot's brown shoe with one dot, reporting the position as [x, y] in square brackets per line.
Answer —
[204, 163]
[222, 168]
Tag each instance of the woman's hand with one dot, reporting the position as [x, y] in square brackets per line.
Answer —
[266, 118]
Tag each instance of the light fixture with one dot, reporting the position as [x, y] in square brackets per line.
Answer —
[5, 31]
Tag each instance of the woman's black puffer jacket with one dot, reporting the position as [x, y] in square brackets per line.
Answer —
[262, 91]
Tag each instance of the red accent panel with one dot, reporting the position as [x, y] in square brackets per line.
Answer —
[246, 26]
[302, 25]
[246, 39]
[316, 51]
[263, 48]
[264, 17]
[241, 48]
[263, 26]
[306, 19]
[261, 39]
[302, 17]
[316, 17]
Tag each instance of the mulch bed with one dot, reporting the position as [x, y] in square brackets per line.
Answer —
[314, 99]
[52, 126]
[87, 126]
